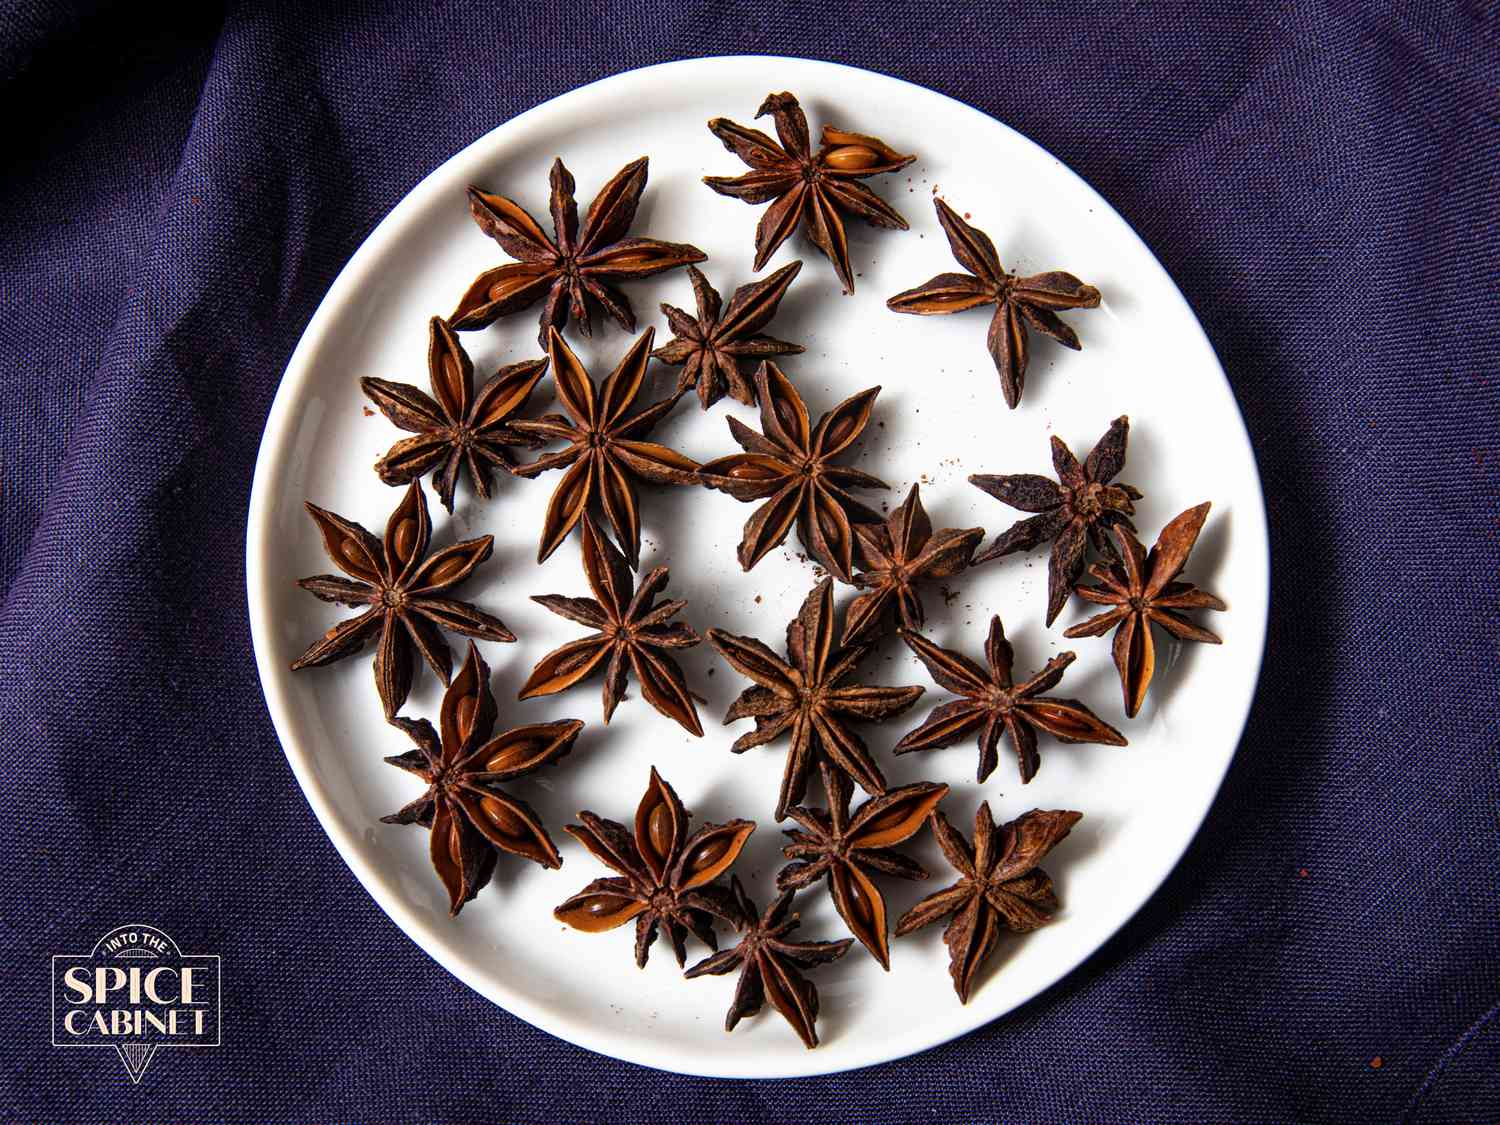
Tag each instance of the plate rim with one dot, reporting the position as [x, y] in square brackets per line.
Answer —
[270, 465]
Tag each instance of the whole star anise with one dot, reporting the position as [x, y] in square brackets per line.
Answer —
[401, 588]
[993, 704]
[454, 427]
[709, 347]
[1020, 302]
[1000, 887]
[770, 965]
[790, 466]
[573, 272]
[899, 553]
[665, 874]
[1080, 507]
[604, 452]
[845, 848]
[1141, 589]
[813, 189]
[631, 630]
[470, 816]
[803, 694]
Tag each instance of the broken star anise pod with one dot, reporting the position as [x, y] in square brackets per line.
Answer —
[1143, 588]
[604, 448]
[470, 815]
[812, 189]
[899, 553]
[770, 965]
[1020, 302]
[665, 874]
[631, 630]
[845, 849]
[1000, 886]
[790, 466]
[710, 346]
[806, 695]
[455, 428]
[574, 269]
[401, 589]
[993, 704]
[1078, 508]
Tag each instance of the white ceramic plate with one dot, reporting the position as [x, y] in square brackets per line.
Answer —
[939, 418]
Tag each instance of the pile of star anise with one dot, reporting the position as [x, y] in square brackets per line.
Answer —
[808, 697]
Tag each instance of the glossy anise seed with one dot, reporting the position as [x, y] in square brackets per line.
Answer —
[1021, 303]
[666, 877]
[806, 695]
[710, 346]
[604, 456]
[899, 553]
[1142, 589]
[789, 465]
[573, 269]
[770, 965]
[1000, 887]
[631, 630]
[991, 704]
[813, 190]
[456, 428]
[846, 849]
[470, 816]
[398, 588]
[1078, 508]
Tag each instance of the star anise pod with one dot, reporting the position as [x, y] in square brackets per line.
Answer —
[604, 448]
[999, 886]
[813, 189]
[632, 631]
[770, 965]
[1020, 302]
[665, 874]
[574, 269]
[846, 848]
[803, 694]
[455, 427]
[993, 704]
[1143, 588]
[790, 466]
[401, 588]
[899, 553]
[709, 347]
[470, 815]
[1080, 507]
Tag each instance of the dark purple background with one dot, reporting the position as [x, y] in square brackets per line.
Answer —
[1320, 179]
